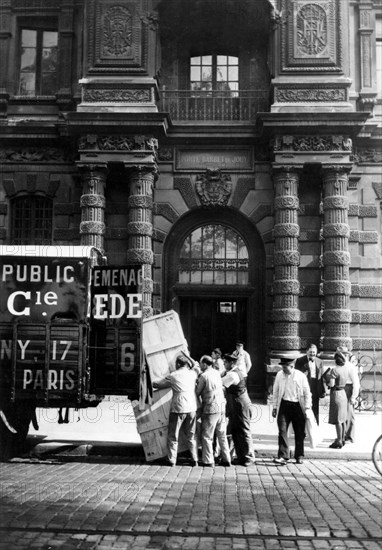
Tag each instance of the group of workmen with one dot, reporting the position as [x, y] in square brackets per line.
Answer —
[208, 393]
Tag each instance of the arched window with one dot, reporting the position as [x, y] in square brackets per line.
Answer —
[213, 255]
[31, 220]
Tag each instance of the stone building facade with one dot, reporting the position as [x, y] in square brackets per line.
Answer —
[232, 147]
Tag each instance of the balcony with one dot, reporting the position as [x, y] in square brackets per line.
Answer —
[214, 106]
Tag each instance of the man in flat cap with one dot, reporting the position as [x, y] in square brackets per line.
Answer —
[291, 398]
[210, 390]
[239, 410]
[243, 363]
[183, 407]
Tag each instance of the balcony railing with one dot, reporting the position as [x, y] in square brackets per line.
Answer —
[240, 106]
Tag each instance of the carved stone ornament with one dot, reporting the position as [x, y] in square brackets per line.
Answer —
[312, 29]
[213, 188]
[309, 95]
[313, 143]
[116, 96]
[117, 143]
[311, 36]
[117, 32]
[366, 155]
[116, 37]
[34, 154]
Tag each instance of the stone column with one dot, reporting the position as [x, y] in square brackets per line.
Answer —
[92, 227]
[140, 228]
[5, 38]
[286, 287]
[336, 315]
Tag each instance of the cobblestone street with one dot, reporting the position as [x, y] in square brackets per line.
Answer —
[322, 504]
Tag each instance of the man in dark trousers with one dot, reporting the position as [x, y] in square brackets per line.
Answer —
[239, 409]
[312, 367]
[291, 400]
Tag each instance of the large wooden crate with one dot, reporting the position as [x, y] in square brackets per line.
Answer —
[163, 341]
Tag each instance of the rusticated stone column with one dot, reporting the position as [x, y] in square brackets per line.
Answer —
[336, 259]
[286, 287]
[140, 228]
[92, 227]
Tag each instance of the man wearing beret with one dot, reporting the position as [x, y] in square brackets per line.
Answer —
[291, 398]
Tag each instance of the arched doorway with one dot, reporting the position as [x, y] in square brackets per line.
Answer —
[214, 277]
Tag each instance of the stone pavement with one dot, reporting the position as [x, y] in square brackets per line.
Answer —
[95, 490]
[110, 430]
[319, 505]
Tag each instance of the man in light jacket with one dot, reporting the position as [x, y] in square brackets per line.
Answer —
[183, 407]
[291, 398]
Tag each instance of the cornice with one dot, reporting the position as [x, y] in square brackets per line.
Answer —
[313, 123]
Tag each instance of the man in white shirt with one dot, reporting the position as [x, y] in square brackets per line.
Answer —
[243, 362]
[291, 398]
[183, 408]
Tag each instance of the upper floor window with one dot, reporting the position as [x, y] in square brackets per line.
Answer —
[379, 55]
[31, 220]
[38, 62]
[210, 73]
[214, 254]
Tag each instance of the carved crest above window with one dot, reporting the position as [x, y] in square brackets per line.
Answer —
[213, 188]
[312, 29]
[312, 35]
[117, 32]
[117, 37]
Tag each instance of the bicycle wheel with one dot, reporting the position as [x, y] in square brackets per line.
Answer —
[376, 454]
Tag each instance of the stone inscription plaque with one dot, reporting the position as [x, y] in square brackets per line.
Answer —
[238, 159]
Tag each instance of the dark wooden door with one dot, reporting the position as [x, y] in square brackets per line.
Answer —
[210, 323]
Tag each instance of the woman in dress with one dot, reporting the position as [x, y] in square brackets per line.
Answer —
[336, 378]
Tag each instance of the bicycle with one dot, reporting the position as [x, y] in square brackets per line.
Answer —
[376, 454]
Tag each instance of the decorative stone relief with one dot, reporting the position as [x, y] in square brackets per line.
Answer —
[213, 188]
[309, 95]
[117, 143]
[117, 37]
[116, 95]
[311, 30]
[313, 143]
[165, 154]
[34, 154]
[311, 37]
[367, 155]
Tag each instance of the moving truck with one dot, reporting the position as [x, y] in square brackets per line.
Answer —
[70, 333]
